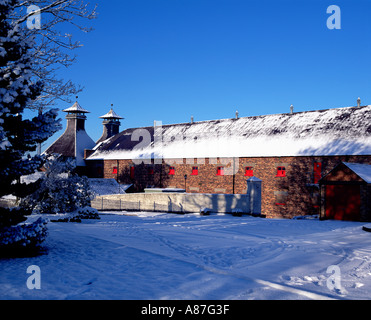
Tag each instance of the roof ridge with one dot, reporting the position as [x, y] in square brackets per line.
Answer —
[248, 117]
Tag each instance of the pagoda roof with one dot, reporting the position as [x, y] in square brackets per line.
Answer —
[111, 115]
[76, 108]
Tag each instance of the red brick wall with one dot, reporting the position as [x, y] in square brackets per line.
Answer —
[296, 189]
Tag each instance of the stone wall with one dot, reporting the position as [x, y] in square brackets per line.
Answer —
[173, 202]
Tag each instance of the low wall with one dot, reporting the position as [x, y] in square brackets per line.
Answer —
[173, 202]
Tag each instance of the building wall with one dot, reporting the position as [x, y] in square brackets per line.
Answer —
[282, 197]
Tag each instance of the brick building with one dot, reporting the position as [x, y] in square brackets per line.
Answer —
[290, 153]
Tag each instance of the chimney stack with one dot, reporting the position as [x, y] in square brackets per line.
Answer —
[237, 115]
[291, 109]
[111, 125]
[359, 102]
[192, 120]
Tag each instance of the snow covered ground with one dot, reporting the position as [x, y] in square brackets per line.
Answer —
[163, 256]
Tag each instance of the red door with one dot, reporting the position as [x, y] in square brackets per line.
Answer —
[343, 202]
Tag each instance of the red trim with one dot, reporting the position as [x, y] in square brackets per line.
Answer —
[281, 172]
[194, 171]
[220, 171]
[317, 172]
[249, 171]
[132, 172]
[172, 171]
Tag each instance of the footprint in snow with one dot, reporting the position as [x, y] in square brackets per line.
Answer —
[90, 282]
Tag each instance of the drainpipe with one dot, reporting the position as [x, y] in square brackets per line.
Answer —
[234, 176]
[117, 174]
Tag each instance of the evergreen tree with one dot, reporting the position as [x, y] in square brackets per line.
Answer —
[61, 190]
[18, 136]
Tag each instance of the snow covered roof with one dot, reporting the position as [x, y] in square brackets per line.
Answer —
[341, 131]
[72, 144]
[107, 186]
[361, 170]
[76, 108]
[254, 179]
[111, 115]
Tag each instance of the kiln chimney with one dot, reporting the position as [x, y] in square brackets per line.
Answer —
[74, 140]
[111, 125]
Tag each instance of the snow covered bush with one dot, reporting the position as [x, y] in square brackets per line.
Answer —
[24, 235]
[87, 213]
[237, 212]
[61, 190]
[205, 211]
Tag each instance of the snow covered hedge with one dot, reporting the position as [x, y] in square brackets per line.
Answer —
[86, 213]
[24, 235]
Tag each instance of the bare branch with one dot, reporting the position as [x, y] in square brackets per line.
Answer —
[53, 48]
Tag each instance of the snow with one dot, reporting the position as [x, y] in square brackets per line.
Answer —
[111, 115]
[31, 178]
[342, 131]
[76, 108]
[243, 147]
[362, 170]
[163, 256]
[107, 186]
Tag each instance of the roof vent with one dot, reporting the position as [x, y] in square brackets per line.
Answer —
[359, 102]
[291, 109]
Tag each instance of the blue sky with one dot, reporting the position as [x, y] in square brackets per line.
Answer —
[169, 60]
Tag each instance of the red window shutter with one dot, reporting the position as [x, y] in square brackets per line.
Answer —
[220, 171]
[195, 171]
[317, 172]
[114, 170]
[172, 171]
[281, 172]
[132, 172]
[249, 172]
